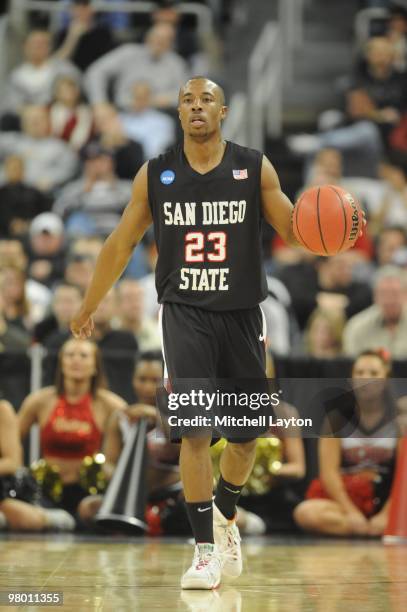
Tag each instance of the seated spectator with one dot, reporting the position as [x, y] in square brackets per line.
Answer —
[276, 506]
[39, 297]
[385, 322]
[71, 120]
[88, 246]
[391, 209]
[72, 416]
[46, 250]
[356, 465]
[389, 241]
[133, 317]
[85, 40]
[186, 39]
[376, 99]
[118, 347]
[32, 82]
[152, 128]
[20, 202]
[279, 319]
[153, 62]
[162, 467]
[397, 34]
[16, 306]
[327, 282]
[323, 334]
[13, 339]
[111, 137]
[66, 301]
[53, 163]
[17, 490]
[79, 270]
[97, 199]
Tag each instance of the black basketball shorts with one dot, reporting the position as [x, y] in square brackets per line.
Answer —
[214, 371]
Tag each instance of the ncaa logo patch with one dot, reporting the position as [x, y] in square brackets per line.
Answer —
[167, 177]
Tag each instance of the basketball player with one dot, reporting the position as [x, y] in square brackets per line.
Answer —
[206, 199]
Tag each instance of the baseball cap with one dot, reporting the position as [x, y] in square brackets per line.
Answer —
[47, 222]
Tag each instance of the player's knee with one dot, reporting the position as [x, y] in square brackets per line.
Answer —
[195, 444]
[243, 449]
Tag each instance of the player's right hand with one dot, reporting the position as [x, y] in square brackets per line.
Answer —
[82, 325]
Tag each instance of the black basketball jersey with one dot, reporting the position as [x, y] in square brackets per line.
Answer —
[207, 229]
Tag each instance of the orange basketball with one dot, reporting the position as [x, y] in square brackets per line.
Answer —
[327, 220]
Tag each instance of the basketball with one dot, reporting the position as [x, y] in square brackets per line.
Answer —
[327, 220]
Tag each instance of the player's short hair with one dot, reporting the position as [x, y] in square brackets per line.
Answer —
[204, 78]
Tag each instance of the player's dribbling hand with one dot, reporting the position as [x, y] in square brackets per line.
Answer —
[82, 325]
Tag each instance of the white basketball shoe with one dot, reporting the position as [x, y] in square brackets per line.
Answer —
[206, 569]
[227, 540]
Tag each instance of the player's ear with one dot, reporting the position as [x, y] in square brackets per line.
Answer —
[223, 112]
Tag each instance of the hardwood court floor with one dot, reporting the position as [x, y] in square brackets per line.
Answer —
[280, 575]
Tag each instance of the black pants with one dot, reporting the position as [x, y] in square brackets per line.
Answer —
[213, 353]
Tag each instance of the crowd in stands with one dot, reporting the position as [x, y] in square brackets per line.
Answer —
[81, 114]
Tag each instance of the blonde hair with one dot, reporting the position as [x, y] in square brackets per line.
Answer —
[336, 322]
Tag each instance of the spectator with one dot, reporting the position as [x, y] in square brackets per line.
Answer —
[32, 82]
[186, 39]
[376, 99]
[111, 136]
[89, 246]
[153, 62]
[20, 202]
[328, 283]
[391, 209]
[85, 40]
[16, 307]
[12, 338]
[323, 334]
[119, 347]
[66, 301]
[385, 322]
[53, 162]
[71, 120]
[397, 35]
[162, 469]
[98, 196]
[389, 241]
[47, 249]
[356, 466]
[17, 490]
[72, 415]
[276, 506]
[39, 297]
[148, 126]
[79, 270]
[133, 318]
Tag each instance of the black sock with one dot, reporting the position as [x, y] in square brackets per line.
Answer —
[226, 497]
[200, 516]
